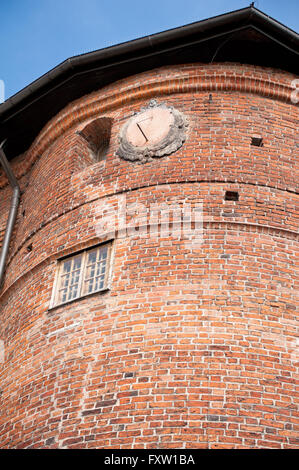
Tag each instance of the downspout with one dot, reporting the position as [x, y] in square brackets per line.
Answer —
[12, 213]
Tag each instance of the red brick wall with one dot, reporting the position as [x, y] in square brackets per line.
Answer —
[192, 346]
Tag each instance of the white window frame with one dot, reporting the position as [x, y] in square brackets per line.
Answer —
[84, 254]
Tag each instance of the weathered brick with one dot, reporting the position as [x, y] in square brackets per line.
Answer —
[192, 347]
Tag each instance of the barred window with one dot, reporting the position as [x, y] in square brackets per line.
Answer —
[82, 274]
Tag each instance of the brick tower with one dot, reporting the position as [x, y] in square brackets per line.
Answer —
[122, 324]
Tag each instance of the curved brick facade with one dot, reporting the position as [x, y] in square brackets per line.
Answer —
[193, 346]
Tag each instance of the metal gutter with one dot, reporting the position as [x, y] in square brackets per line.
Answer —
[12, 213]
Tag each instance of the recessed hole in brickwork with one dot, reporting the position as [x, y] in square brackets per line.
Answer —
[231, 196]
[23, 213]
[50, 441]
[129, 374]
[257, 141]
[29, 248]
[97, 133]
[212, 418]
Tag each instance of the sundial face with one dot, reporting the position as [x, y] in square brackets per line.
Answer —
[155, 131]
[149, 127]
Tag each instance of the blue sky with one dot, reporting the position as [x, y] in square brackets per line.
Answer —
[36, 35]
